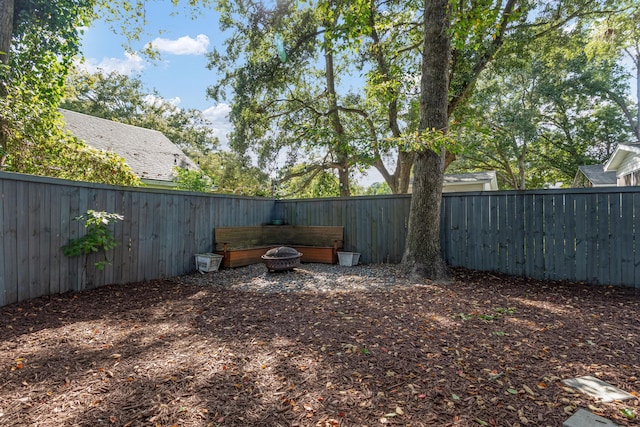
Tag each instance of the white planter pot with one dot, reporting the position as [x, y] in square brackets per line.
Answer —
[208, 262]
[348, 259]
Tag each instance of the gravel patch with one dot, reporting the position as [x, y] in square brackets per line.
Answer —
[307, 278]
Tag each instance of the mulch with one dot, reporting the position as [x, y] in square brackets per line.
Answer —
[482, 350]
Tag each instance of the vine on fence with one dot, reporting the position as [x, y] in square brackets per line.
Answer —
[97, 238]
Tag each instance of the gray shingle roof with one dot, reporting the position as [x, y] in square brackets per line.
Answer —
[597, 176]
[149, 153]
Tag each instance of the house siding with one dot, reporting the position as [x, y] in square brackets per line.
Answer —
[466, 187]
[629, 165]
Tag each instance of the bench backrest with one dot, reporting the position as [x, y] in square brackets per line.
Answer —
[292, 235]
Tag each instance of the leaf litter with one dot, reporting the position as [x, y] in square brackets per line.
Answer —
[188, 352]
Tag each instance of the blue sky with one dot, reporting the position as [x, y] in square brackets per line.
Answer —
[180, 75]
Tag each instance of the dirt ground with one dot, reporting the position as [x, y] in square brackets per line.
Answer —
[483, 350]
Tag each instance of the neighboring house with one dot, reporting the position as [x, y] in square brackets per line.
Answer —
[594, 176]
[621, 170]
[475, 181]
[149, 154]
[625, 162]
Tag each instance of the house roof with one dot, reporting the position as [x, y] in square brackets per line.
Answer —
[597, 175]
[473, 177]
[620, 154]
[149, 153]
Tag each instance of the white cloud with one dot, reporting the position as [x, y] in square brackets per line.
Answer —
[219, 117]
[182, 46]
[130, 64]
[156, 101]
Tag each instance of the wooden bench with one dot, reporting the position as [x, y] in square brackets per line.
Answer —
[245, 245]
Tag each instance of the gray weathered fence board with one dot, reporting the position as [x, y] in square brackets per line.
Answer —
[3, 286]
[580, 238]
[569, 218]
[519, 231]
[23, 246]
[495, 236]
[615, 252]
[592, 239]
[501, 238]
[603, 238]
[55, 241]
[11, 244]
[636, 230]
[625, 237]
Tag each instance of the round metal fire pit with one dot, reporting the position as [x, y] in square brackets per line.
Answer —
[282, 258]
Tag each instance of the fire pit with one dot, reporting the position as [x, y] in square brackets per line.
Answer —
[281, 258]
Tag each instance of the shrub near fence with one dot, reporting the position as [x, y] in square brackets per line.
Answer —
[578, 234]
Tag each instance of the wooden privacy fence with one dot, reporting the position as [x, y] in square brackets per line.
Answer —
[375, 226]
[585, 235]
[578, 234]
[159, 236]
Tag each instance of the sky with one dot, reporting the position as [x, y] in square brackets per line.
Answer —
[180, 75]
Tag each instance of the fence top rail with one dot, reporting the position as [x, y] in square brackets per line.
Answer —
[15, 176]
[343, 199]
[550, 191]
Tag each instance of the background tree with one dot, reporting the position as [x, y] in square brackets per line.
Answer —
[617, 37]
[466, 36]
[290, 69]
[234, 174]
[539, 113]
[39, 40]
[377, 189]
[192, 180]
[319, 183]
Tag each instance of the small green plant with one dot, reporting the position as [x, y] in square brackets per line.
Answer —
[464, 316]
[192, 180]
[628, 413]
[97, 238]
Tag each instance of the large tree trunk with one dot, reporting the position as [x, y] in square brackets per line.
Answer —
[334, 117]
[636, 129]
[6, 31]
[423, 256]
